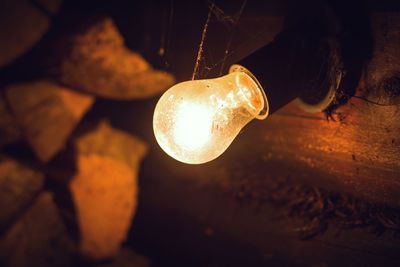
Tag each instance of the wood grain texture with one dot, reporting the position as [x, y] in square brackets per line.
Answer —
[358, 149]
[357, 153]
[209, 227]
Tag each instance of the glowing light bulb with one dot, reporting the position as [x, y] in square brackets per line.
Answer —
[195, 121]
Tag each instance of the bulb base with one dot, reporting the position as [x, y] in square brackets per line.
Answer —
[264, 100]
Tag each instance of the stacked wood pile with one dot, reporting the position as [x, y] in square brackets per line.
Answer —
[46, 117]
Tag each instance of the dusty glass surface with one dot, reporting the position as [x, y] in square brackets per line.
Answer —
[195, 121]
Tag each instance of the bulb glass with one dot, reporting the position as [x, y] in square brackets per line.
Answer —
[196, 121]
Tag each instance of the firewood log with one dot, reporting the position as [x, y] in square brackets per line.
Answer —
[38, 239]
[9, 130]
[99, 63]
[46, 113]
[105, 188]
[22, 24]
[19, 185]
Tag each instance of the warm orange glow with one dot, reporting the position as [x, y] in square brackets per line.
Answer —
[193, 126]
[195, 121]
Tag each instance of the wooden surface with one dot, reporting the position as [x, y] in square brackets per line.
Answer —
[197, 225]
[192, 213]
[357, 150]
[358, 153]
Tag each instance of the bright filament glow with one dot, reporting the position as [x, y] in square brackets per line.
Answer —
[195, 121]
[193, 126]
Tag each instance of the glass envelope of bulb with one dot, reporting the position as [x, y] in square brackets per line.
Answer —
[195, 121]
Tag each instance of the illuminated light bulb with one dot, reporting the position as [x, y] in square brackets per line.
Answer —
[195, 121]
